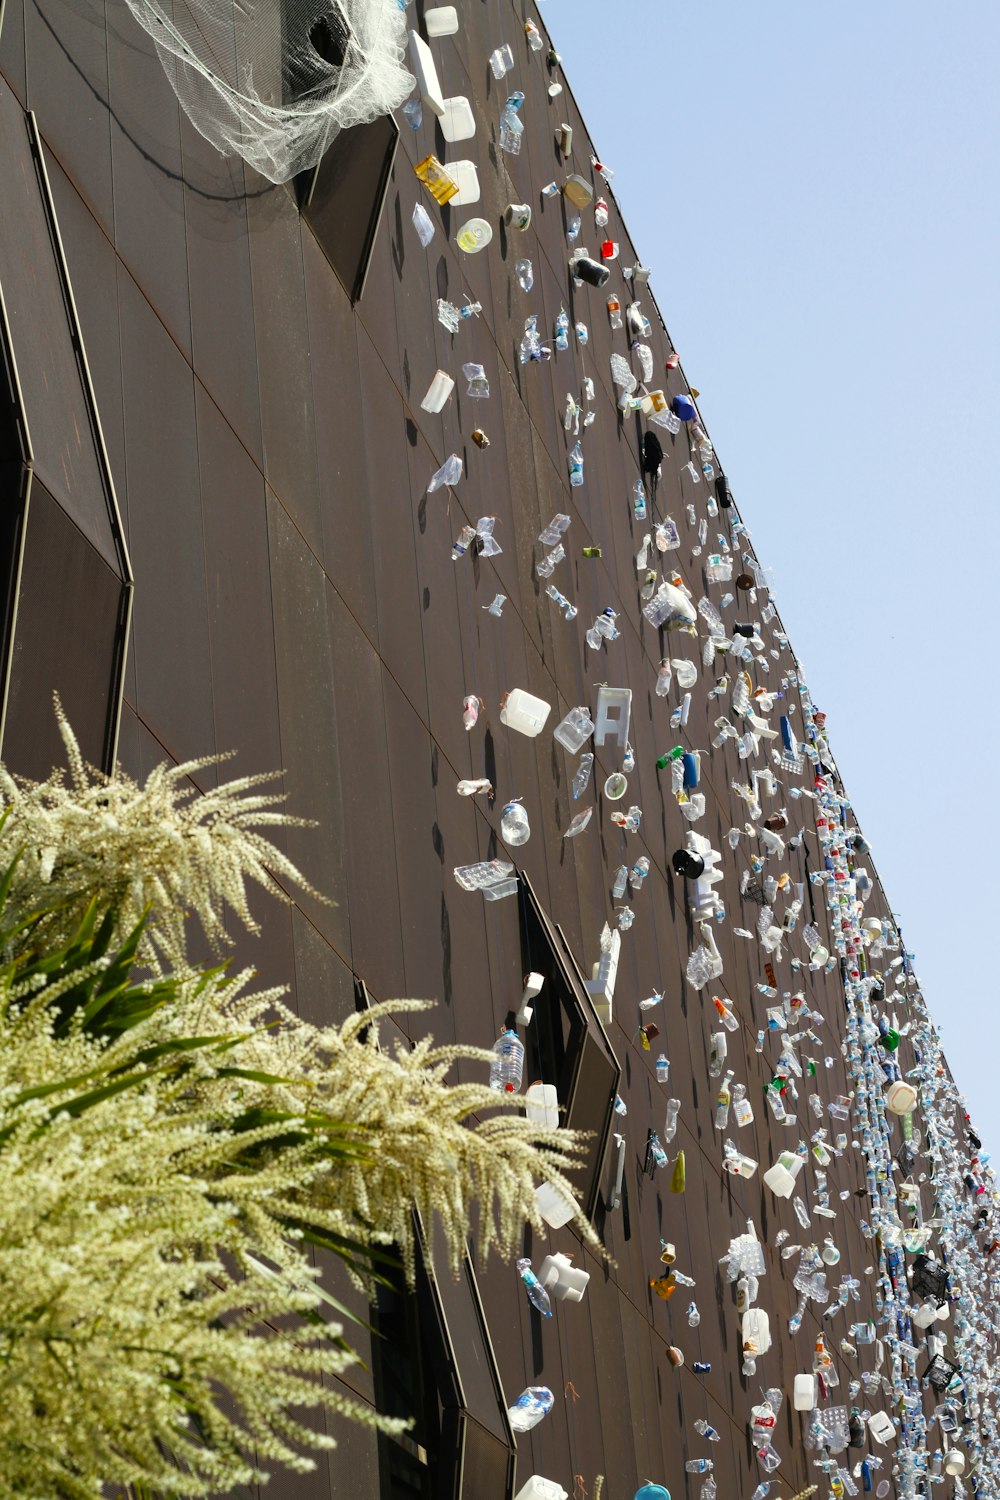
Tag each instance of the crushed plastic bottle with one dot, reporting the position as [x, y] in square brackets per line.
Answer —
[448, 475]
[670, 1126]
[575, 462]
[511, 125]
[561, 330]
[581, 779]
[639, 500]
[531, 1406]
[524, 274]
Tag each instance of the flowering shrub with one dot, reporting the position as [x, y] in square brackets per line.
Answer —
[172, 1144]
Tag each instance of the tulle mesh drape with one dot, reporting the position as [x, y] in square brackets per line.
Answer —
[274, 81]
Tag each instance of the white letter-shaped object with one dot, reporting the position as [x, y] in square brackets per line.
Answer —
[559, 1276]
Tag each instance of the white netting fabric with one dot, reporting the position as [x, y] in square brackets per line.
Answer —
[274, 81]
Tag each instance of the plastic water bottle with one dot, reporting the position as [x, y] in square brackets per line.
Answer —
[723, 1099]
[694, 1318]
[621, 880]
[664, 676]
[662, 1068]
[507, 1066]
[470, 710]
[639, 500]
[706, 1430]
[524, 274]
[514, 827]
[537, 1295]
[670, 1127]
[530, 1407]
[511, 126]
[576, 466]
[762, 1490]
[582, 777]
[562, 329]
[615, 311]
[700, 1465]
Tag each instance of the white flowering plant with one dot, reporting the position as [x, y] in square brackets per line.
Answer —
[173, 1144]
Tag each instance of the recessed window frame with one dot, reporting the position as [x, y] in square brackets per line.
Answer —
[545, 947]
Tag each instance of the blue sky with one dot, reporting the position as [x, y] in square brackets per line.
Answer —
[816, 190]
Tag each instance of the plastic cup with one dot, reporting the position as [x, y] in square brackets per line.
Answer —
[473, 236]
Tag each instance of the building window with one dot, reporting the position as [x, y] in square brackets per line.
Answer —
[566, 1044]
[65, 579]
[342, 198]
[433, 1361]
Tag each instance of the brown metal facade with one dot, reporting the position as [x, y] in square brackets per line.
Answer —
[296, 602]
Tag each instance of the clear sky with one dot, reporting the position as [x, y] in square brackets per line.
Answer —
[816, 189]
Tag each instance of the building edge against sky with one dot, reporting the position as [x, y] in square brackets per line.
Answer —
[296, 598]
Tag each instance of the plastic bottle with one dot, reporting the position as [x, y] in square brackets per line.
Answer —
[694, 1318]
[514, 828]
[576, 466]
[582, 777]
[508, 1063]
[700, 1465]
[524, 274]
[470, 710]
[562, 330]
[537, 1295]
[742, 1108]
[664, 676]
[511, 126]
[535, 39]
[670, 1127]
[726, 1016]
[639, 500]
[639, 871]
[662, 1068]
[723, 1099]
[530, 1407]
[706, 1430]
[621, 881]
[762, 1490]
[718, 1052]
[615, 311]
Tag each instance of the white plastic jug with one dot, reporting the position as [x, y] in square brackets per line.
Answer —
[804, 1392]
[559, 1276]
[524, 712]
[781, 1177]
[541, 1105]
[901, 1097]
[553, 1205]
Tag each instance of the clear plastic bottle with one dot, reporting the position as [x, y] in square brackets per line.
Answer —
[706, 1430]
[621, 881]
[699, 1465]
[639, 501]
[663, 1068]
[511, 125]
[562, 330]
[639, 871]
[718, 1052]
[581, 779]
[742, 1108]
[530, 1407]
[576, 466]
[664, 677]
[508, 1063]
[694, 1318]
[524, 274]
[615, 310]
[726, 1016]
[537, 1295]
[723, 1099]
[514, 827]
[470, 710]
[670, 1125]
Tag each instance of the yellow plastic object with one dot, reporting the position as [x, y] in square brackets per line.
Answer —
[435, 179]
[678, 1179]
[664, 1286]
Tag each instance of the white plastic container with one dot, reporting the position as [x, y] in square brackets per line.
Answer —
[441, 21]
[438, 392]
[562, 1279]
[901, 1097]
[467, 177]
[881, 1427]
[524, 712]
[756, 1331]
[458, 123]
[541, 1105]
[422, 63]
[553, 1205]
[537, 1488]
[781, 1177]
[804, 1392]
[614, 711]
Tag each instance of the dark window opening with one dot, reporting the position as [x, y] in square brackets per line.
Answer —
[330, 35]
[342, 199]
[565, 1043]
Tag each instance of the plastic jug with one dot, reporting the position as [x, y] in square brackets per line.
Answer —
[553, 1205]
[781, 1177]
[524, 712]
[541, 1105]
